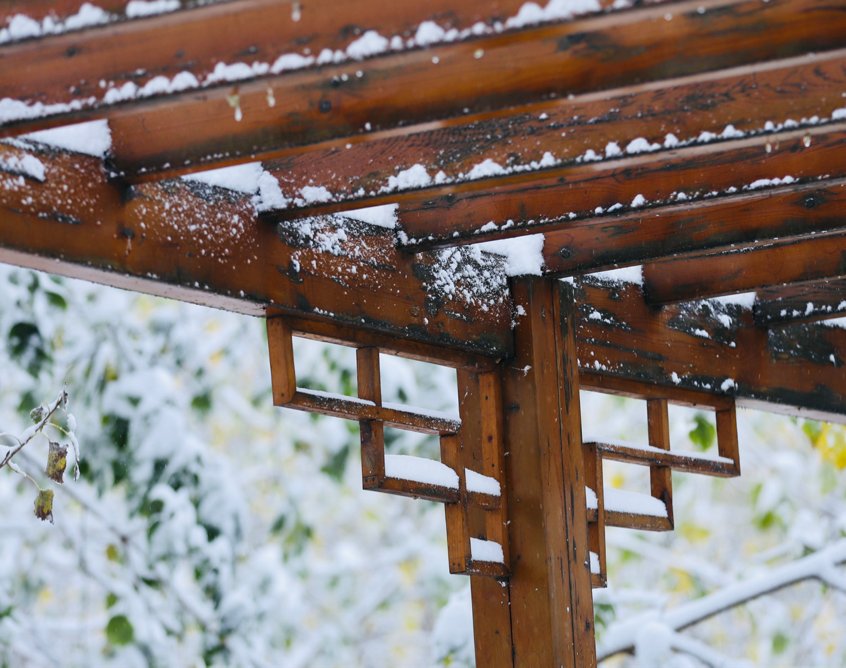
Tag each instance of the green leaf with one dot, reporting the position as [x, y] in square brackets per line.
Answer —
[56, 300]
[780, 642]
[704, 433]
[119, 630]
[44, 505]
[57, 461]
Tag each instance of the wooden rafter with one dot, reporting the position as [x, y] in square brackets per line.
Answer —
[526, 203]
[754, 99]
[195, 130]
[805, 302]
[715, 274]
[746, 219]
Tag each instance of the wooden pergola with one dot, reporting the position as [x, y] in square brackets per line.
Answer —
[705, 141]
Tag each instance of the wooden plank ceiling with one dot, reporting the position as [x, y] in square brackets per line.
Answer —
[703, 140]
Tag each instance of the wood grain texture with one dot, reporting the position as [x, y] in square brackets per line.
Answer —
[688, 278]
[196, 130]
[748, 219]
[206, 245]
[529, 203]
[712, 348]
[805, 302]
[748, 99]
[551, 605]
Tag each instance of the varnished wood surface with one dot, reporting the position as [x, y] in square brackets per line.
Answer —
[805, 302]
[205, 245]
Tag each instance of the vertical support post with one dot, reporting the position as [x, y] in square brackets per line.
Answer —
[372, 432]
[660, 477]
[281, 349]
[550, 585]
[480, 406]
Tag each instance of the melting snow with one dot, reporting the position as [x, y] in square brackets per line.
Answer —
[523, 254]
[91, 138]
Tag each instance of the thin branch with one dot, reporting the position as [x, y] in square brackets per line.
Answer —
[818, 566]
[60, 401]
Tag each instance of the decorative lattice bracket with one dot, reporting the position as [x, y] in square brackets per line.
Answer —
[653, 511]
[468, 479]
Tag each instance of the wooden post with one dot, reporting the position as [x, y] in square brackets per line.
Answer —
[549, 591]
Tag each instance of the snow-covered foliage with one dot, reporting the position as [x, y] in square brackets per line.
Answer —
[210, 529]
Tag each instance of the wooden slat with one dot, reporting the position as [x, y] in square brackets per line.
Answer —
[606, 242]
[200, 129]
[639, 389]
[331, 332]
[358, 410]
[727, 441]
[282, 370]
[751, 98]
[713, 348]
[413, 489]
[724, 273]
[527, 203]
[372, 432]
[805, 302]
[458, 537]
[661, 476]
[674, 460]
[190, 242]
[70, 67]
[624, 520]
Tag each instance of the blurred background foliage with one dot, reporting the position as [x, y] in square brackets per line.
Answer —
[211, 529]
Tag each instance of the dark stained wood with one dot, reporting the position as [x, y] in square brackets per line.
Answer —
[805, 302]
[200, 129]
[551, 606]
[711, 348]
[527, 203]
[605, 242]
[561, 131]
[205, 245]
[722, 273]
[596, 518]
[282, 369]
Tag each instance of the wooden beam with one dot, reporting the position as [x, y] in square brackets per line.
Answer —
[805, 302]
[241, 121]
[714, 274]
[709, 347]
[550, 586]
[60, 11]
[749, 218]
[250, 36]
[206, 245]
[753, 99]
[527, 203]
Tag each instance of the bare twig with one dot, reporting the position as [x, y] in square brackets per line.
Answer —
[61, 401]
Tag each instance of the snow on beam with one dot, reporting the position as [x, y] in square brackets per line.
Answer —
[529, 203]
[802, 260]
[806, 302]
[203, 244]
[712, 347]
[84, 72]
[747, 218]
[749, 100]
[29, 19]
[277, 113]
